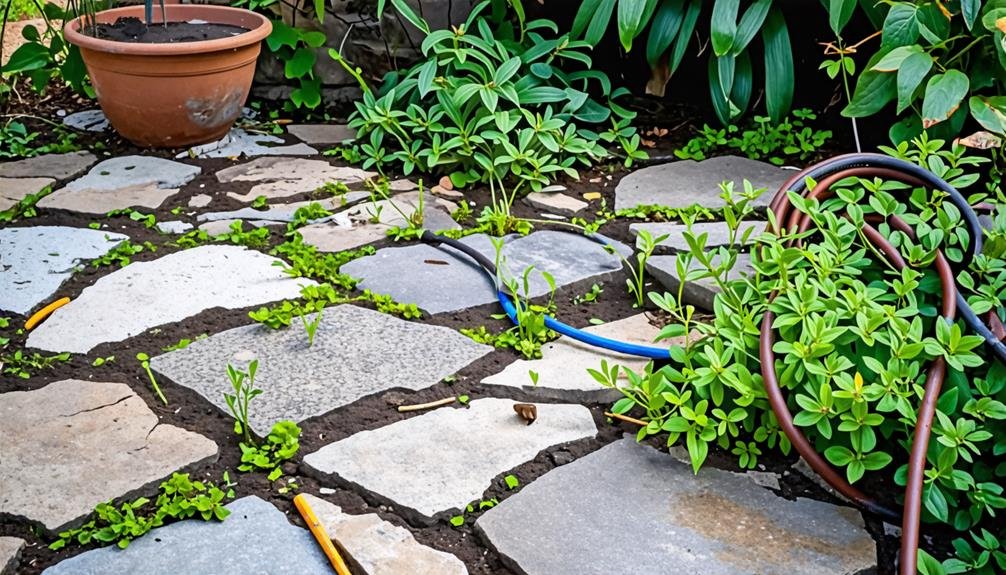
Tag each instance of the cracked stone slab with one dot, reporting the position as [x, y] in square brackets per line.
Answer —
[73, 444]
[10, 552]
[586, 514]
[255, 538]
[322, 133]
[448, 457]
[87, 121]
[123, 182]
[143, 295]
[56, 166]
[356, 353]
[699, 293]
[279, 177]
[239, 143]
[687, 183]
[718, 233]
[373, 546]
[13, 190]
[562, 369]
[554, 202]
[441, 279]
[35, 261]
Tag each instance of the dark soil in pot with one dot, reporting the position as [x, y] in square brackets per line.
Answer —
[133, 30]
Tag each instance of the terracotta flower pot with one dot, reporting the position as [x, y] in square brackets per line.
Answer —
[179, 94]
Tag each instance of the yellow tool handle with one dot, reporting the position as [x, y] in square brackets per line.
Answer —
[318, 530]
[44, 312]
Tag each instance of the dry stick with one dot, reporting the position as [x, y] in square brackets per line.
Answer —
[421, 406]
[638, 422]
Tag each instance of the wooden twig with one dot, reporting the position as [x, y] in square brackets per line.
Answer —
[430, 405]
[638, 422]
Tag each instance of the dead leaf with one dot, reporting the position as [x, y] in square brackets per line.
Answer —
[527, 411]
[980, 140]
[647, 143]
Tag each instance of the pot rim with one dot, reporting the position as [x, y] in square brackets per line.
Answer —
[257, 32]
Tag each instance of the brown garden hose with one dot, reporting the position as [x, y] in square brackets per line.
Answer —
[911, 515]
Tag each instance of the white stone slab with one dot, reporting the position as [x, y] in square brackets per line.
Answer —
[143, 295]
[446, 458]
[279, 177]
[35, 261]
[239, 143]
[74, 444]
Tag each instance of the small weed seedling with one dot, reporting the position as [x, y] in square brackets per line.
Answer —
[311, 327]
[260, 202]
[184, 343]
[589, 297]
[145, 364]
[281, 444]
[243, 384]
[23, 365]
[121, 254]
[100, 361]
[511, 482]
[637, 276]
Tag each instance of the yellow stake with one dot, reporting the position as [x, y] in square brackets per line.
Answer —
[44, 312]
[318, 530]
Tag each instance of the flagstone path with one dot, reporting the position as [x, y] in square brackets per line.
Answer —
[565, 493]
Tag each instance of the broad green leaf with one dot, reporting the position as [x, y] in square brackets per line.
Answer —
[933, 25]
[900, 26]
[599, 23]
[726, 66]
[990, 112]
[684, 35]
[281, 35]
[944, 93]
[406, 11]
[913, 70]
[751, 22]
[630, 15]
[665, 26]
[314, 38]
[779, 80]
[506, 70]
[300, 64]
[970, 9]
[427, 73]
[31, 56]
[839, 14]
[893, 59]
[723, 27]
[319, 10]
[583, 17]
[873, 91]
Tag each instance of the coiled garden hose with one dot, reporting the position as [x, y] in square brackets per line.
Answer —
[825, 175]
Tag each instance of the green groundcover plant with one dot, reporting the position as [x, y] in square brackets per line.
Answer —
[854, 337]
[493, 100]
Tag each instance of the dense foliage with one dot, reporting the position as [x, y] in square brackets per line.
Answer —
[854, 337]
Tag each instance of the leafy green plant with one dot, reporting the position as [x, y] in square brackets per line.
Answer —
[296, 48]
[589, 297]
[636, 283]
[144, 360]
[100, 361]
[25, 208]
[280, 445]
[792, 137]
[24, 365]
[938, 63]
[530, 332]
[183, 343]
[19, 142]
[45, 56]
[121, 255]
[243, 384]
[672, 24]
[490, 102]
[180, 498]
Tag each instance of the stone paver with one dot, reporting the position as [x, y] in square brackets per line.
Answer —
[200, 200]
[702, 292]
[123, 182]
[376, 547]
[441, 279]
[686, 183]
[73, 444]
[556, 203]
[10, 552]
[357, 352]
[255, 538]
[58, 166]
[87, 121]
[173, 227]
[35, 261]
[279, 177]
[586, 516]
[562, 369]
[239, 143]
[13, 190]
[448, 457]
[718, 233]
[143, 295]
[322, 133]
